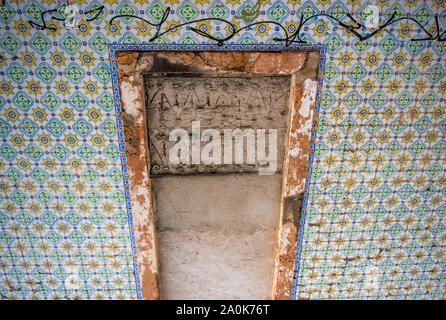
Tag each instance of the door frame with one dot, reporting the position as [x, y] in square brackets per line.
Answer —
[129, 97]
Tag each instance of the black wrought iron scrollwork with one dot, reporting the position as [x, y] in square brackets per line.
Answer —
[353, 26]
[43, 23]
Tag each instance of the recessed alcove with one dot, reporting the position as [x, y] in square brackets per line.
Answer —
[222, 229]
[217, 222]
[217, 235]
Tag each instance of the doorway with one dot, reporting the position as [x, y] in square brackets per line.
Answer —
[217, 221]
[170, 193]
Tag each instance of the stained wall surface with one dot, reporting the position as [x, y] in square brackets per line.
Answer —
[217, 235]
[217, 101]
[373, 221]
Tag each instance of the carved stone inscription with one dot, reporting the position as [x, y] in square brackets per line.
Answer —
[220, 102]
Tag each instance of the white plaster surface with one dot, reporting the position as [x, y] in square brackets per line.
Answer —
[217, 235]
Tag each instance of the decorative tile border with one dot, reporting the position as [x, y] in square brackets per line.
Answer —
[118, 108]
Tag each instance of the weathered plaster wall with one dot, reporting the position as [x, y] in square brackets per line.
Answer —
[374, 208]
[132, 65]
[221, 101]
[295, 170]
[217, 235]
[218, 101]
[140, 186]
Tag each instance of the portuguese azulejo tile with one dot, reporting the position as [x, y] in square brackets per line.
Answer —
[374, 212]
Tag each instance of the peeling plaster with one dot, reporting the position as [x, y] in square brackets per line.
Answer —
[140, 191]
[130, 95]
[302, 114]
[284, 240]
[308, 96]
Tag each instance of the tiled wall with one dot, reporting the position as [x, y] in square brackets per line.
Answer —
[374, 216]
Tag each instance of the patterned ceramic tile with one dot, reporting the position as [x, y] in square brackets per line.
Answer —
[374, 216]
